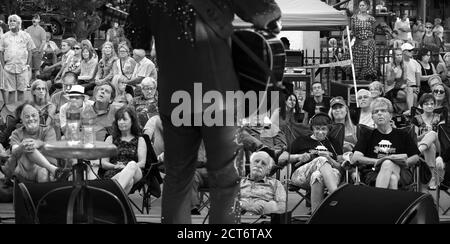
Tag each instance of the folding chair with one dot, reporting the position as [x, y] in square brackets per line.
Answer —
[364, 131]
[151, 180]
[337, 134]
[444, 186]
[204, 201]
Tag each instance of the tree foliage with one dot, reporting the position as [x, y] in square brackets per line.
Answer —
[79, 10]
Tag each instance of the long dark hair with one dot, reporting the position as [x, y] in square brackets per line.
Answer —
[135, 129]
[283, 103]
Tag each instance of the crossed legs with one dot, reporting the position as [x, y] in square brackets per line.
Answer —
[389, 175]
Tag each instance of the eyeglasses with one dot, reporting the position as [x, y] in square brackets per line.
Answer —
[40, 89]
[438, 91]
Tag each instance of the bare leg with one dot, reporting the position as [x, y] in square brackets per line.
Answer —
[128, 176]
[384, 176]
[393, 183]
[39, 159]
[42, 175]
[328, 178]
[317, 189]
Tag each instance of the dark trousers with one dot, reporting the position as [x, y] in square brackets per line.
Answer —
[181, 149]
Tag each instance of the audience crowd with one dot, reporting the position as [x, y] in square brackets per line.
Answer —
[120, 84]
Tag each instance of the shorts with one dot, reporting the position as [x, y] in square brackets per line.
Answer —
[369, 177]
[30, 174]
[15, 82]
[308, 174]
[36, 61]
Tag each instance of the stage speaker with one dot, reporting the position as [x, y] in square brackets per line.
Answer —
[352, 204]
[107, 208]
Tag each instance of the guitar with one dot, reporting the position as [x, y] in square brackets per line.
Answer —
[259, 57]
[259, 61]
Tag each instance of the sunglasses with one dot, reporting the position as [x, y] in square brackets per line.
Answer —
[76, 48]
[438, 91]
[363, 97]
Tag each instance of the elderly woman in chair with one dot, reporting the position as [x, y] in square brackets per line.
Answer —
[316, 160]
[386, 153]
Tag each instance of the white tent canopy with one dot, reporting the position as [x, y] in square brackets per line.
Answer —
[306, 15]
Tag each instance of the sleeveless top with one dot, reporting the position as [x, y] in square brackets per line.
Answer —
[127, 151]
[424, 127]
[424, 87]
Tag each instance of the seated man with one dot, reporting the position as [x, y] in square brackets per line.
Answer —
[102, 105]
[261, 194]
[59, 99]
[316, 160]
[26, 161]
[387, 154]
[146, 105]
[264, 136]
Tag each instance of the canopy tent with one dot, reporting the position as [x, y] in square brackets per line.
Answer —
[306, 15]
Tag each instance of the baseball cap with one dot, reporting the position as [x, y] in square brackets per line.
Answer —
[407, 47]
[75, 91]
[337, 100]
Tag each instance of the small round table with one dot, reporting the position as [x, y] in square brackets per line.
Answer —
[80, 196]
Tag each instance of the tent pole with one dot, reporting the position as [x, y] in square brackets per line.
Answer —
[353, 66]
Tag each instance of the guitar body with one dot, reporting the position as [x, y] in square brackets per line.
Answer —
[253, 77]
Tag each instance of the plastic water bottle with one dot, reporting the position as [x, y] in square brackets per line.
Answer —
[73, 116]
[88, 117]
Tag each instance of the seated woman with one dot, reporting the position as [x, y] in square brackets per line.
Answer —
[121, 94]
[443, 69]
[376, 89]
[72, 65]
[316, 160]
[88, 68]
[41, 101]
[426, 127]
[427, 70]
[394, 70]
[126, 166]
[340, 113]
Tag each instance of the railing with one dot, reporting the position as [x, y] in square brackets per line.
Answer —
[328, 55]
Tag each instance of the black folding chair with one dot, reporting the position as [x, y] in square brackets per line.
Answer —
[337, 135]
[150, 184]
[444, 186]
[151, 180]
[363, 131]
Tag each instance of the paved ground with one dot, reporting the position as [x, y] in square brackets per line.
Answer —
[7, 211]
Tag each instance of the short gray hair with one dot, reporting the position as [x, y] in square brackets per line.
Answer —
[139, 52]
[266, 155]
[148, 81]
[17, 18]
[381, 101]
